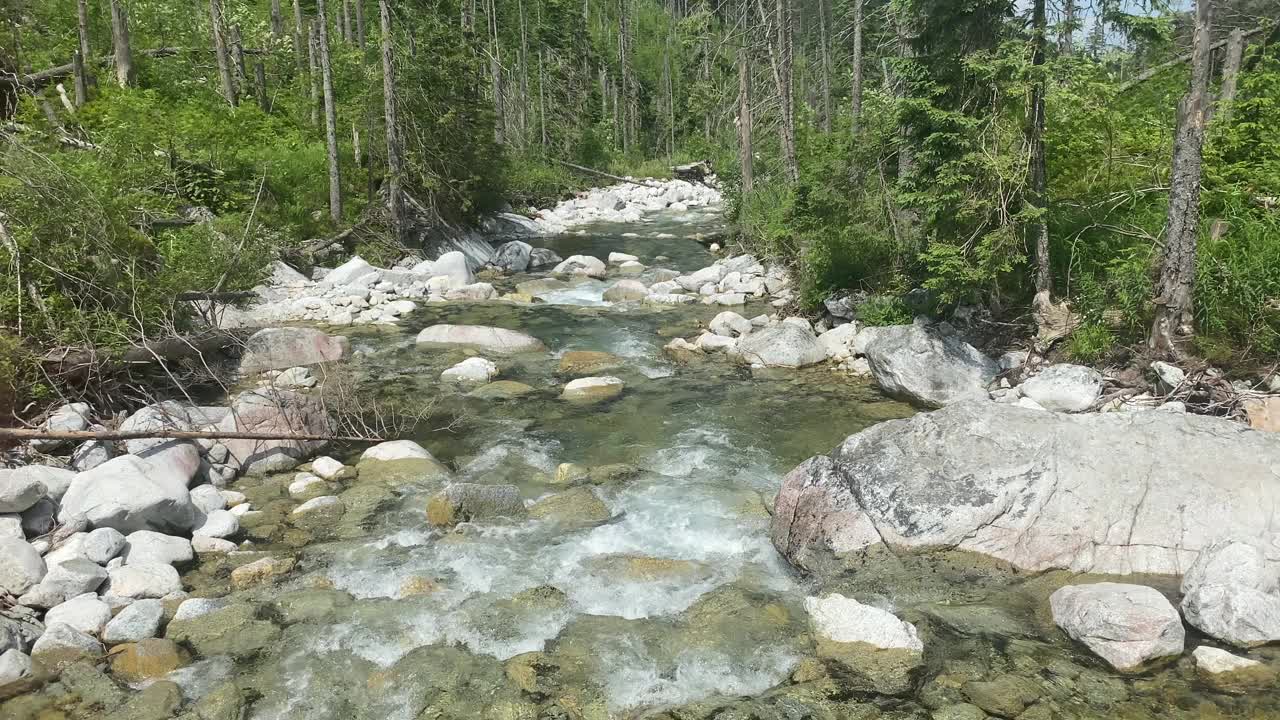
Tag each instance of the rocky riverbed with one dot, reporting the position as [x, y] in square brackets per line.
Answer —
[623, 501]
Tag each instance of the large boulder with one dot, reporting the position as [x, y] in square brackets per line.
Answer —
[1064, 388]
[543, 257]
[62, 645]
[879, 650]
[21, 481]
[63, 582]
[283, 348]
[72, 417]
[783, 345]
[582, 265]
[730, 324]
[487, 339]
[626, 291]
[468, 502]
[129, 493]
[167, 415]
[19, 490]
[454, 266]
[1109, 493]
[1231, 594]
[513, 256]
[349, 271]
[274, 412]
[928, 368]
[1129, 626]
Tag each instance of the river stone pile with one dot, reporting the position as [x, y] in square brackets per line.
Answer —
[625, 202]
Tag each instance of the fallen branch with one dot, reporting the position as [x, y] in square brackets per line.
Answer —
[38, 80]
[27, 434]
[1151, 72]
[323, 243]
[226, 296]
[604, 174]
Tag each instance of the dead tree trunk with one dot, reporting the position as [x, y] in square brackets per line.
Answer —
[120, 43]
[237, 57]
[1066, 33]
[299, 55]
[1221, 110]
[825, 54]
[1037, 192]
[360, 28]
[855, 84]
[495, 74]
[313, 56]
[347, 34]
[395, 162]
[81, 80]
[82, 28]
[746, 152]
[220, 49]
[330, 118]
[277, 20]
[1174, 320]
[782, 77]
[260, 86]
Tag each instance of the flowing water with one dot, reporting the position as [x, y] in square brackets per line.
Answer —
[672, 603]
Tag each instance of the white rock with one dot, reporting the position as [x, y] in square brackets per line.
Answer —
[1127, 625]
[21, 567]
[218, 524]
[129, 493]
[927, 367]
[19, 491]
[137, 621]
[14, 666]
[314, 504]
[207, 498]
[203, 545]
[1230, 593]
[631, 267]
[836, 341]
[782, 345]
[62, 644]
[1171, 376]
[727, 299]
[327, 468]
[400, 307]
[295, 377]
[710, 342]
[473, 371]
[144, 580]
[1064, 388]
[841, 619]
[72, 417]
[306, 484]
[196, 607]
[85, 613]
[626, 291]
[287, 347]
[147, 547]
[581, 265]
[667, 299]
[474, 292]
[1215, 661]
[64, 581]
[11, 527]
[592, 389]
[396, 450]
[350, 271]
[233, 498]
[730, 324]
[489, 339]
[101, 545]
[617, 258]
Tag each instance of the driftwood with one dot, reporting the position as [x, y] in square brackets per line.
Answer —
[694, 172]
[43, 78]
[322, 243]
[603, 174]
[1154, 70]
[27, 434]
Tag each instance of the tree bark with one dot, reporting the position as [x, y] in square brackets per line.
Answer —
[1174, 318]
[855, 84]
[220, 49]
[780, 63]
[237, 57]
[825, 53]
[260, 86]
[120, 42]
[1066, 33]
[1037, 192]
[624, 60]
[347, 34]
[299, 55]
[495, 74]
[395, 162]
[746, 152]
[82, 26]
[81, 80]
[1221, 110]
[313, 56]
[277, 20]
[361, 35]
[330, 117]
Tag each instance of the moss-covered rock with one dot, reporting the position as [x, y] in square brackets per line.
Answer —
[147, 659]
[233, 630]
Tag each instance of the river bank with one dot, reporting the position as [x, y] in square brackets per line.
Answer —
[593, 532]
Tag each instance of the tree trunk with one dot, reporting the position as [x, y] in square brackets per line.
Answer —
[313, 56]
[120, 42]
[495, 74]
[1037, 192]
[624, 60]
[1066, 33]
[395, 163]
[360, 28]
[81, 80]
[855, 85]
[347, 34]
[260, 86]
[220, 49]
[906, 153]
[1174, 319]
[825, 52]
[299, 55]
[1221, 111]
[524, 75]
[237, 56]
[330, 118]
[745, 150]
[277, 20]
[82, 28]
[542, 95]
[786, 91]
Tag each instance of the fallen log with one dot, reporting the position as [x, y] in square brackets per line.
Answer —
[1154, 70]
[601, 173]
[27, 434]
[225, 296]
[48, 76]
[323, 243]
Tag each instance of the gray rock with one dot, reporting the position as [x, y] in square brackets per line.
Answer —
[454, 266]
[167, 415]
[140, 620]
[1129, 626]
[18, 632]
[1109, 493]
[56, 480]
[11, 527]
[101, 545]
[626, 291]
[129, 493]
[144, 580]
[468, 502]
[72, 417]
[513, 256]
[490, 339]
[1230, 593]
[730, 324]
[283, 348]
[783, 345]
[19, 490]
[1170, 376]
[62, 645]
[85, 613]
[581, 265]
[208, 498]
[349, 272]
[64, 581]
[21, 567]
[40, 519]
[145, 546]
[472, 372]
[90, 454]
[274, 411]
[922, 366]
[1064, 388]
[543, 257]
[218, 524]
[14, 666]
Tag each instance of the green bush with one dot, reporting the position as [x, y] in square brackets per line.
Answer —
[882, 310]
[1089, 343]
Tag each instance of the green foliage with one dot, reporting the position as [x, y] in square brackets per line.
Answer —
[1089, 343]
[881, 310]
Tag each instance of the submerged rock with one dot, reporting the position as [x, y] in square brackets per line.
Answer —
[147, 659]
[626, 291]
[587, 362]
[592, 389]
[1231, 673]
[578, 505]
[488, 339]
[283, 348]
[471, 372]
[501, 390]
[1112, 493]
[918, 364]
[1129, 626]
[468, 502]
[881, 651]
